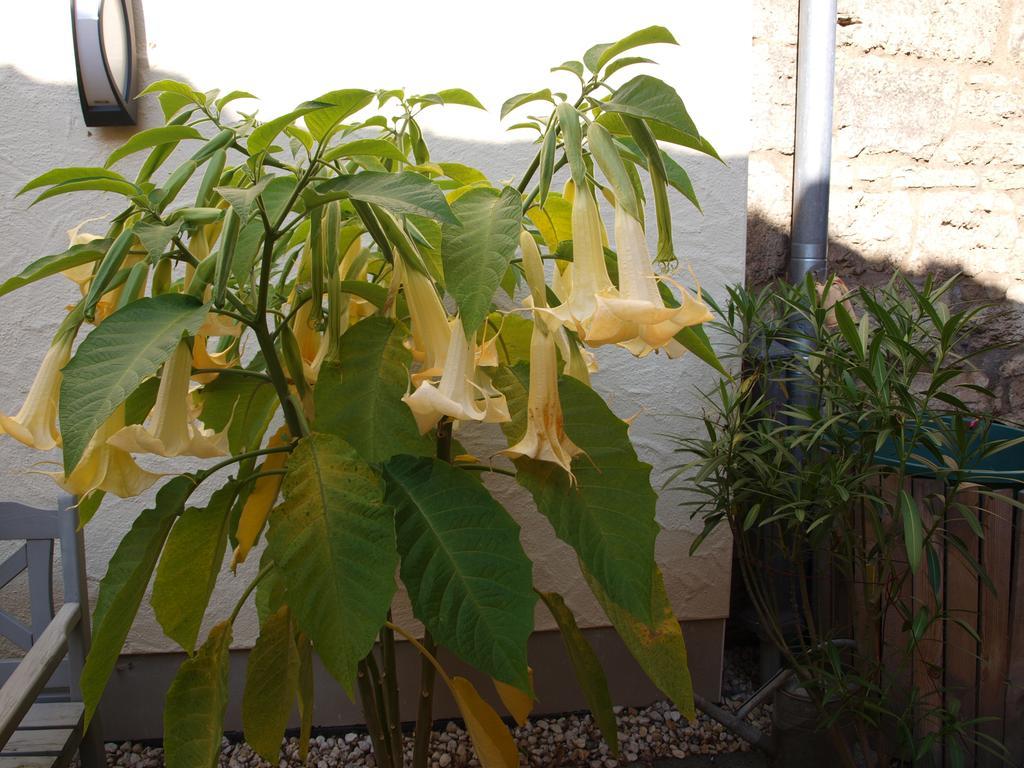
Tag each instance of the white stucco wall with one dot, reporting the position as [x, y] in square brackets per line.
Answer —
[288, 52]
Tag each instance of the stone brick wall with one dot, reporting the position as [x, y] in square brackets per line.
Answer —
[928, 153]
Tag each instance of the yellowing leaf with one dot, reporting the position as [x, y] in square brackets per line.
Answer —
[492, 741]
[518, 704]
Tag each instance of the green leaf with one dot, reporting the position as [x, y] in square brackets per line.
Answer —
[405, 192]
[223, 101]
[189, 565]
[64, 175]
[477, 251]
[696, 340]
[613, 122]
[648, 36]
[603, 150]
[675, 174]
[174, 86]
[372, 147]
[243, 199]
[468, 578]
[360, 397]
[74, 256]
[271, 684]
[587, 667]
[452, 96]
[244, 405]
[373, 293]
[913, 533]
[572, 142]
[155, 237]
[575, 67]
[607, 516]
[123, 586]
[629, 61]
[115, 358]
[334, 541]
[658, 647]
[123, 188]
[525, 98]
[338, 106]
[196, 703]
[649, 98]
[153, 137]
[464, 174]
[172, 103]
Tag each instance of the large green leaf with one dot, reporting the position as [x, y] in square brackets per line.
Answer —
[243, 199]
[649, 98]
[271, 685]
[64, 175]
[74, 256]
[365, 147]
[155, 237]
[405, 192]
[600, 55]
[478, 250]
[696, 340]
[913, 531]
[607, 515]
[525, 98]
[360, 398]
[657, 646]
[468, 578]
[189, 565]
[334, 106]
[334, 541]
[153, 137]
[613, 122]
[587, 667]
[115, 358]
[123, 188]
[123, 586]
[196, 703]
[244, 405]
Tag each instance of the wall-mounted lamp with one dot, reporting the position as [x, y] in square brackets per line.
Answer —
[104, 36]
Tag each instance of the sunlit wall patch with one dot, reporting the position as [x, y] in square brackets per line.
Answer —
[104, 39]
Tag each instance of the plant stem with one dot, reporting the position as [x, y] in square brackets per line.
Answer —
[389, 685]
[425, 702]
[370, 712]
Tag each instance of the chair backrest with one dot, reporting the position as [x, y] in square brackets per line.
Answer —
[38, 529]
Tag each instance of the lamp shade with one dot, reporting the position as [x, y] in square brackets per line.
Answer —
[104, 38]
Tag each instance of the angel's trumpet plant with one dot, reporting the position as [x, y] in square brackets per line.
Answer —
[545, 437]
[635, 316]
[105, 467]
[172, 429]
[35, 424]
[456, 395]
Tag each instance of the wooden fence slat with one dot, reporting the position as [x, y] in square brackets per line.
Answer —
[1014, 703]
[927, 666]
[996, 551]
[961, 648]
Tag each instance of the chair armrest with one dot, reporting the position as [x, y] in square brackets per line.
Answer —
[34, 670]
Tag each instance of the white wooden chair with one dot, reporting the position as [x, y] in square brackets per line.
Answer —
[41, 708]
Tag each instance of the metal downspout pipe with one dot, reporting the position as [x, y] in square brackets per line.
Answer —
[812, 149]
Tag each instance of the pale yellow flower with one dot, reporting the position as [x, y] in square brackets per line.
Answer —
[35, 424]
[545, 437]
[457, 394]
[172, 429]
[589, 274]
[635, 315]
[431, 333]
[105, 467]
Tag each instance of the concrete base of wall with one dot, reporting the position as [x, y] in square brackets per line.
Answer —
[132, 708]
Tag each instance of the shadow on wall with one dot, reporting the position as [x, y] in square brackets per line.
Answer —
[1001, 370]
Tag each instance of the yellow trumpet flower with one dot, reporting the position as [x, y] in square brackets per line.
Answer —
[431, 333]
[635, 316]
[35, 424]
[545, 437]
[457, 395]
[106, 468]
[589, 275]
[172, 429]
[83, 273]
[261, 499]
[203, 358]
